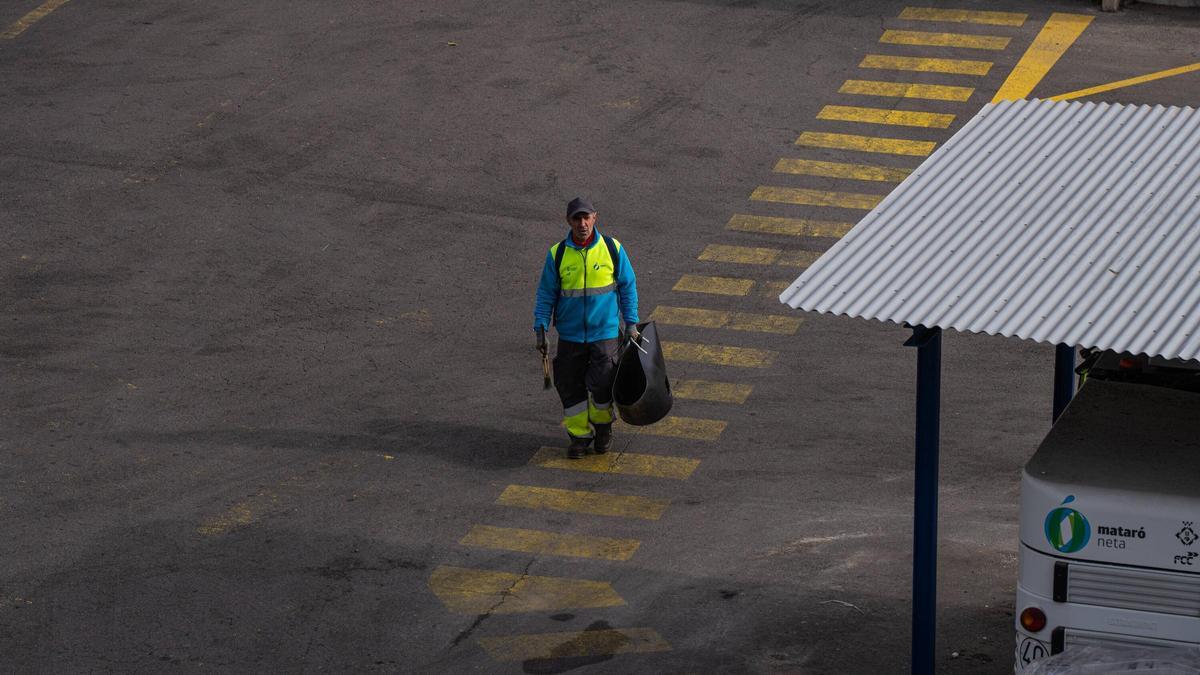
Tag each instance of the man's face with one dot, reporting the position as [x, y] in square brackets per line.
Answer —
[581, 225]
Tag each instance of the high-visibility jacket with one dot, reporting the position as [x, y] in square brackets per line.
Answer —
[589, 293]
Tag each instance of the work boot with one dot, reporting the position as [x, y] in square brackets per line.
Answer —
[578, 447]
[603, 438]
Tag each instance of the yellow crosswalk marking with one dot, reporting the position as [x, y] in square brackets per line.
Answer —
[23, 24]
[963, 16]
[890, 146]
[691, 428]
[773, 289]
[899, 118]
[932, 92]
[572, 501]
[809, 167]
[580, 644]
[704, 390]
[795, 227]
[845, 200]
[798, 258]
[1059, 33]
[718, 355]
[473, 591]
[926, 65]
[923, 39]
[550, 543]
[696, 283]
[739, 254]
[715, 318]
[627, 463]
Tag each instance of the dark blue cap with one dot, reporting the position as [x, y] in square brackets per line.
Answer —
[579, 205]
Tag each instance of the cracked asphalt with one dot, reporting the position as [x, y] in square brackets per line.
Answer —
[265, 337]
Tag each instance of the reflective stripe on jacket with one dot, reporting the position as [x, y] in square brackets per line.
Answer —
[586, 294]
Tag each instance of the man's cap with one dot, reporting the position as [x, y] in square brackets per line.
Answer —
[579, 205]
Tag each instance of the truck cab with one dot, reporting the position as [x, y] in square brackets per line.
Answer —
[1110, 514]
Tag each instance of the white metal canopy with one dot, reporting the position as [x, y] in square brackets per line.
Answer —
[1061, 222]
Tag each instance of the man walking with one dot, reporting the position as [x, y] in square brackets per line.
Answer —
[587, 287]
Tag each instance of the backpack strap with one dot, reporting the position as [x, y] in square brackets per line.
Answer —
[612, 253]
[558, 258]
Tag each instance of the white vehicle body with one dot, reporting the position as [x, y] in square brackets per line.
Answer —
[1110, 523]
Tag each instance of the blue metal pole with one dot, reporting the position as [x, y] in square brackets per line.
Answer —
[1064, 378]
[928, 342]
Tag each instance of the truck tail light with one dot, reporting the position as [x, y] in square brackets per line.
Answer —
[1033, 619]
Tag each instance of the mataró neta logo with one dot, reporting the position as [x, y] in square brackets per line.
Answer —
[1067, 530]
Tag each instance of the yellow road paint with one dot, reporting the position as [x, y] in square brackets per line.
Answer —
[1127, 83]
[809, 167]
[798, 258]
[926, 65]
[718, 355]
[581, 644]
[473, 591]
[714, 318]
[1059, 33]
[550, 543]
[932, 92]
[773, 289]
[695, 283]
[572, 501]
[23, 24]
[845, 200]
[790, 226]
[626, 463]
[889, 146]
[899, 118]
[739, 254]
[235, 516]
[691, 428]
[921, 38]
[719, 392]
[963, 16]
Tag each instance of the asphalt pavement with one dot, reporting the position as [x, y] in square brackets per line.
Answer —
[271, 401]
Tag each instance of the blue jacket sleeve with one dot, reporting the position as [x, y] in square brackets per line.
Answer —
[627, 289]
[547, 295]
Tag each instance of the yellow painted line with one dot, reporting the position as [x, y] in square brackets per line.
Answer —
[718, 355]
[921, 38]
[572, 501]
[1127, 83]
[580, 644]
[963, 16]
[794, 227]
[1059, 33]
[550, 543]
[695, 283]
[473, 591]
[719, 392]
[932, 92]
[22, 24]
[234, 517]
[714, 318]
[798, 258]
[739, 254]
[926, 65]
[845, 200]
[809, 167]
[888, 146]
[691, 428]
[626, 463]
[773, 289]
[899, 118]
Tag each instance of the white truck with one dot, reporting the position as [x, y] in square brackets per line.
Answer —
[1110, 516]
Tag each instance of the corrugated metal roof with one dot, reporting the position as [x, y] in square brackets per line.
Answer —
[1061, 222]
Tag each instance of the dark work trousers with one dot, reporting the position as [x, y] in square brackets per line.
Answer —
[581, 369]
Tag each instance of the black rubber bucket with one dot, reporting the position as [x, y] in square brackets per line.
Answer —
[641, 390]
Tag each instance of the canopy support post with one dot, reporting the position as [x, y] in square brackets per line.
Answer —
[1064, 378]
[928, 342]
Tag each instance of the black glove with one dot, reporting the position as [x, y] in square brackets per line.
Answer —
[631, 333]
[541, 339]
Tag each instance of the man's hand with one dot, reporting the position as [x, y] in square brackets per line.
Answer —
[541, 339]
[631, 333]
